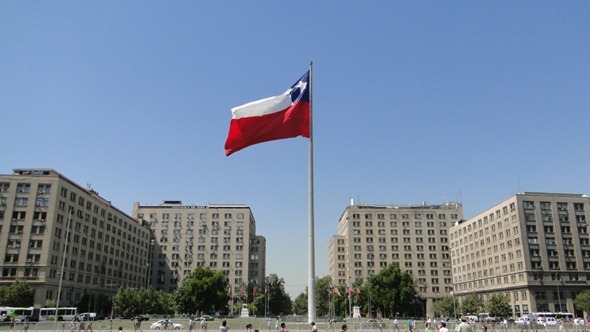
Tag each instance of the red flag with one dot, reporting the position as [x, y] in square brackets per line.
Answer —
[270, 119]
[349, 291]
[337, 291]
[358, 291]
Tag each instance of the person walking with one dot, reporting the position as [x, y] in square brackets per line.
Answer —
[191, 323]
[248, 327]
[427, 327]
[395, 324]
[224, 327]
[463, 326]
[283, 327]
[314, 328]
[203, 324]
[344, 328]
[443, 327]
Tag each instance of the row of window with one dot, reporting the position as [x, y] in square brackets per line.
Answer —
[404, 224]
[406, 216]
[189, 216]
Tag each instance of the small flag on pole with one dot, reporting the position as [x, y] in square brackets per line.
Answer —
[336, 291]
[270, 119]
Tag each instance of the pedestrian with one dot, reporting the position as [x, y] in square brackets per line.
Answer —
[395, 324]
[74, 325]
[26, 324]
[89, 325]
[314, 328]
[427, 327]
[248, 327]
[277, 324]
[224, 327]
[203, 324]
[136, 324]
[268, 323]
[410, 325]
[344, 328]
[283, 327]
[443, 327]
[463, 326]
[120, 328]
[331, 325]
[191, 323]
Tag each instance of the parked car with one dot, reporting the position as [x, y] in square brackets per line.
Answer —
[166, 324]
[206, 317]
[522, 321]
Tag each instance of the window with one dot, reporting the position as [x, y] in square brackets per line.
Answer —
[23, 188]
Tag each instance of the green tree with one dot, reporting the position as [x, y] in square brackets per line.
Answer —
[323, 296]
[582, 301]
[498, 305]
[393, 291]
[445, 307]
[126, 302]
[472, 304]
[19, 294]
[300, 304]
[203, 291]
[279, 302]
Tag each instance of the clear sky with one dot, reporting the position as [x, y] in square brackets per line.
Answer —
[414, 101]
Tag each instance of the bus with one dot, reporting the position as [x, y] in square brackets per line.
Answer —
[564, 316]
[63, 313]
[38, 314]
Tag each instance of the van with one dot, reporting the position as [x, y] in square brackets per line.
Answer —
[472, 318]
[86, 316]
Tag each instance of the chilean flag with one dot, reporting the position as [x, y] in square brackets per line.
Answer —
[270, 119]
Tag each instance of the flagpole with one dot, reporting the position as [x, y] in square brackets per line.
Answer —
[311, 282]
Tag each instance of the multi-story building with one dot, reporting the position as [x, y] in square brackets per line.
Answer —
[532, 247]
[371, 237]
[66, 241]
[222, 237]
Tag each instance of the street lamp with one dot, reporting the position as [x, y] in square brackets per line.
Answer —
[558, 278]
[454, 309]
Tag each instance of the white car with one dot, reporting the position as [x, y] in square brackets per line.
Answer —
[522, 321]
[166, 324]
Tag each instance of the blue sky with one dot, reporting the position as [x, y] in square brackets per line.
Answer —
[413, 101]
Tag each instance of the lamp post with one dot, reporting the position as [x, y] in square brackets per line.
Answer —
[112, 305]
[454, 309]
[558, 278]
[63, 264]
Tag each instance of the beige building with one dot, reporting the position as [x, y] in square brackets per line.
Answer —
[532, 247]
[41, 213]
[371, 237]
[221, 237]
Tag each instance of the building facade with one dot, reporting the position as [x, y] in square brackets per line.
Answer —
[532, 247]
[54, 232]
[221, 237]
[371, 237]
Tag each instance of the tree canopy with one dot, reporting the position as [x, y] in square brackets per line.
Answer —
[19, 294]
[202, 291]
